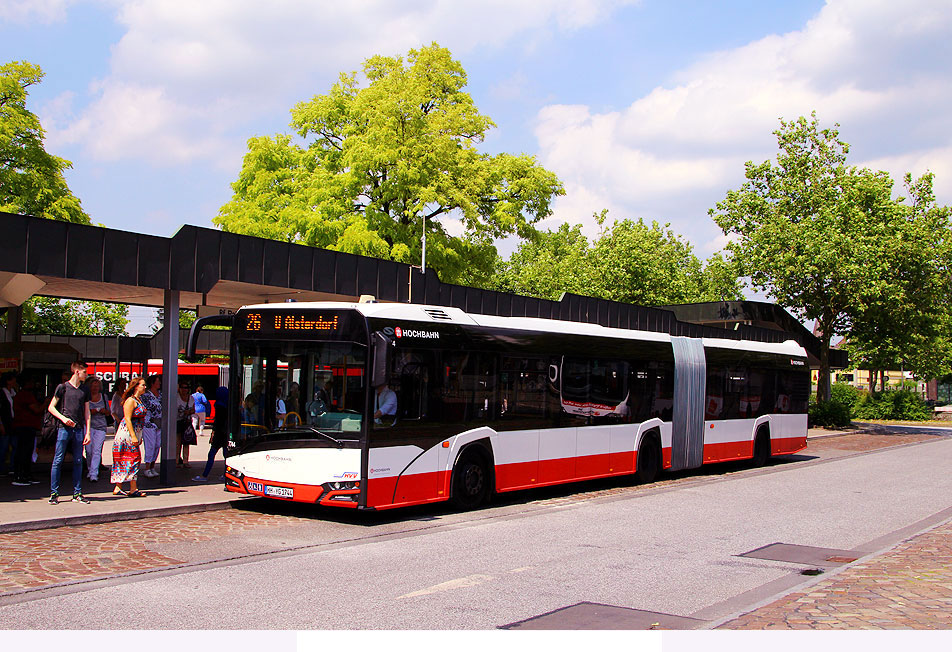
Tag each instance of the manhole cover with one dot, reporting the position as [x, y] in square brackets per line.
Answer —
[591, 615]
[807, 555]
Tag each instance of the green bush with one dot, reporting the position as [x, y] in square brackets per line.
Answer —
[838, 411]
[845, 394]
[898, 405]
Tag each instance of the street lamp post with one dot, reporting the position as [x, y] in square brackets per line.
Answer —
[423, 261]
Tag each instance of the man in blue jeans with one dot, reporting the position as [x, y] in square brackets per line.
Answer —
[69, 406]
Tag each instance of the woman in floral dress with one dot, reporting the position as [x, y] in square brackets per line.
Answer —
[125, 446]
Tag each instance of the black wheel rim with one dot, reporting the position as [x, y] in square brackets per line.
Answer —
[473, 480]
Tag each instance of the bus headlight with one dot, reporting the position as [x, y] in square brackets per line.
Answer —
[233, 477]
[341, 486]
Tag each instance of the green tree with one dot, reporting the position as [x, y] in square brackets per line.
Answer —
[816, 234]
[630, 262]
[547, 265]
[32, 183]
[49, 316]
[380, 163]
[651, 265]
[31, 179]
[185, 318]
[902, 319]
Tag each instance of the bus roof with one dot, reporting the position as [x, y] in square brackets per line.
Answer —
[447, 315]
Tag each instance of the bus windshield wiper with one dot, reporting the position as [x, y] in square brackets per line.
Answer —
[306, 428]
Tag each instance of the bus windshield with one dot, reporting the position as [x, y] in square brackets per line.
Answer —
[305, 390]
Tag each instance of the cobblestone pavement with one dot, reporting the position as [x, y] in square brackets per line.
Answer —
[908, 587]
[43, 557]
[864, 442]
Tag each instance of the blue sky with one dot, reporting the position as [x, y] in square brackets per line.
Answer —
[649, 109]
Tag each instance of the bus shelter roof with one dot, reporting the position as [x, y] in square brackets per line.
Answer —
[212, 268]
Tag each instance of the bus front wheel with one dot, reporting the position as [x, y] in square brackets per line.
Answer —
[470, 481]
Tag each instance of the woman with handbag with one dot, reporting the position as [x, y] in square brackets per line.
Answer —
[125, 446]
[97, 411]
[185, 433]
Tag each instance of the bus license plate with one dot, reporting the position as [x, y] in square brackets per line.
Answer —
[280, 492]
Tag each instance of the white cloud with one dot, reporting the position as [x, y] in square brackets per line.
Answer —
[186, 79]
[878, 68]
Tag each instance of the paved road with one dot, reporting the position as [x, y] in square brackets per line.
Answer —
[670, 548]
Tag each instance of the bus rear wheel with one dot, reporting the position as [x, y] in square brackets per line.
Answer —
[761, 448]
[470, 481]
[648, 460]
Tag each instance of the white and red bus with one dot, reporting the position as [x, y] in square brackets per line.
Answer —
[489, 404]
[209, 376]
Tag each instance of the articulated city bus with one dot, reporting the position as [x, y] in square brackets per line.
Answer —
[488, 404]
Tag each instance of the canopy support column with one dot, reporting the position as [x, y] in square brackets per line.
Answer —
[170, 350]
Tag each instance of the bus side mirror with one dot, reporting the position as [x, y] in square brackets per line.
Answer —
[380, 373]
[191, 345]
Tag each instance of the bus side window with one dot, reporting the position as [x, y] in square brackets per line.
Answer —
[714, 400]
[608, 380]
[467, 389]
[662, 399]
[736, 401]
[575, 390]
[411, 371]
[522, 391]
[640, 387]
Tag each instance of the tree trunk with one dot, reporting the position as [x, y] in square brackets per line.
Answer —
[823, 375]
[882, 379]
[872, 381]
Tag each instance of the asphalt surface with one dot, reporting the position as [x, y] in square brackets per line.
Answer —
[669, 548]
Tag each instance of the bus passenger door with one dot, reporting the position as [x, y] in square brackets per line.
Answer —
[522, 386]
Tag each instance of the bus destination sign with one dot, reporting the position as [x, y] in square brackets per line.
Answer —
[257, 322]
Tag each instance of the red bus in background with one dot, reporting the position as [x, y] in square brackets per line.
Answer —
[209, 376]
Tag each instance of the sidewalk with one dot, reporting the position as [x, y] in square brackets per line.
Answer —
[906, 587]
[27, 508]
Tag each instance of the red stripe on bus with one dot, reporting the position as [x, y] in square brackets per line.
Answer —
[422, 488]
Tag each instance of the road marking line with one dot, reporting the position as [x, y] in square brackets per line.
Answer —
[459, 583]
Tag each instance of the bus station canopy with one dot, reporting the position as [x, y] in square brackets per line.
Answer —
[207, 269]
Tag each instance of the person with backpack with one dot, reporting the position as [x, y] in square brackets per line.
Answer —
[69, 407]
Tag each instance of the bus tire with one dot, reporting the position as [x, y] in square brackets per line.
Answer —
[648, 460]
[761, 447]
[471, 480]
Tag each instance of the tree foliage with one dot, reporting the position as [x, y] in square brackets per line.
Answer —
[31, 179]
[826, 240]
[381, 162]
[49, 316]
[630, 261]
[902, 318]
[185, 319]
[32, 183]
